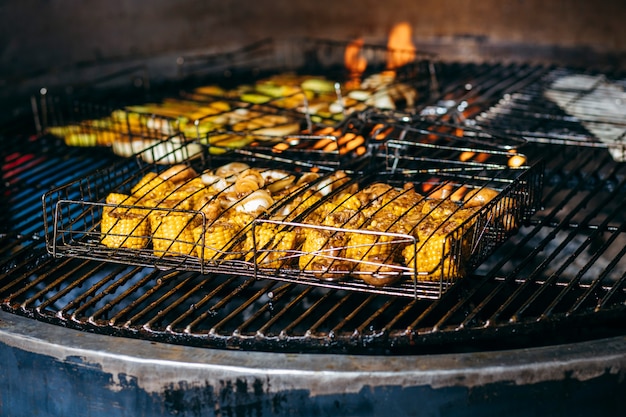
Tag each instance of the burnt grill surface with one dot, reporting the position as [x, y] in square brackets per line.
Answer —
[560, 279]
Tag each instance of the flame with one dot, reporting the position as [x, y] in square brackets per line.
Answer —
[400, 51]
[354, 61]
[400, 47]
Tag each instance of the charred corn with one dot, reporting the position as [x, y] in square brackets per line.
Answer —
[430, 255]
[320, 247]
[360, 245]
[151, 186]
[271, 245]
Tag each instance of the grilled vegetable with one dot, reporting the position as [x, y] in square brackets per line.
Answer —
[172, 233]
[213, 242]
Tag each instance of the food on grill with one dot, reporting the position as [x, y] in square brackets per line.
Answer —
[374, 234]
[178, 173]
[185, 213]
[151, 187]
[254, 202]
[212, 119]
[327, 226]
[431, 255]
[271, 244]
[516, 160]
[96, 132]
[322, 254]
[324, 99]
[215, 241]
[172, 233]
[124, 226]
[173, 150]
[261, 125]
[128, 146]
[479, 197]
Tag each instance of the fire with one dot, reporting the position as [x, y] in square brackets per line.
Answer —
[400, 47]
[400, 51]
[354, 61]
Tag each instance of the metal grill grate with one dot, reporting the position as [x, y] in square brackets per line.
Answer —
[565, 107]
[561, 278]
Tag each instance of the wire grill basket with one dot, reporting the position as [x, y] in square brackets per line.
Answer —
[399, 233]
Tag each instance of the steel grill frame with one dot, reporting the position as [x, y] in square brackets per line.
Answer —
[501, 307]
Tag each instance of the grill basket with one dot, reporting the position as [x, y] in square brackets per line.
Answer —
[79, 219]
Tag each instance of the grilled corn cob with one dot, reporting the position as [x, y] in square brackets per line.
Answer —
[172, 233]
[271, 245]
[361, 245]
[431, 255]
[375, 255]
[151, 186]
[216, 241]
[323, 254]
[123, 228]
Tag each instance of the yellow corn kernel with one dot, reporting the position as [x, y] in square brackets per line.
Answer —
[141, 184]
[263, 233]
[239, 220]
[431, 258]
[282, 246]
[177, 200]
[348, 201]
[124, 229]
[320, 247]
[439, 209]
[151, 186]
[172, 233]
[361, 245]
[272, 246]
[301, 203]
[215, 242]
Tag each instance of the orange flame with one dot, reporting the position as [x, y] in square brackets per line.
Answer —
[354, 61]
[400, 47]
[400, 51]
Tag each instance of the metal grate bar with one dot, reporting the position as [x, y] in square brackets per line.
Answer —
[596, 282]
[275, 316]
[498, 294]
[309, 312]
[536, 274]
[76, 271]
[192, 312]
[552, 279]
[135, 320]
[237, 311]
[222, 303]
[604, 302]
[95, 295]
